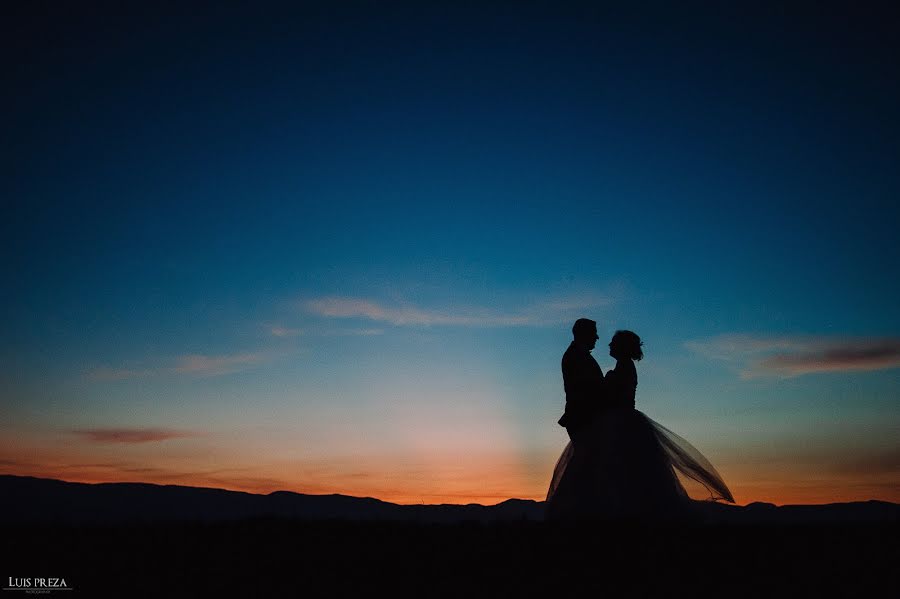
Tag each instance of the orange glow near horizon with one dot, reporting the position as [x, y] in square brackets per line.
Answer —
[485, 481]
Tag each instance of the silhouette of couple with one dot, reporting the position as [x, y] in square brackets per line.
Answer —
[619, 463]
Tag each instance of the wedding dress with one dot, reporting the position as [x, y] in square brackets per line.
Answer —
[625, 465]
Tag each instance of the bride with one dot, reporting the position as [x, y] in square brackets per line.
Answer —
[625, 464]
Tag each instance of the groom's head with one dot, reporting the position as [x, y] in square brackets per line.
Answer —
[585, 332]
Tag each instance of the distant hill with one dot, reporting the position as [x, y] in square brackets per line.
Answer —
[25, 500]
[31, 500]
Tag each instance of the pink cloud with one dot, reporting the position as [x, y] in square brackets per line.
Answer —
[787, 356]
[131, 435]
[859, 355]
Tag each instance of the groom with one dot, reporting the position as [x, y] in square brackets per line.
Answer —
[582, 378]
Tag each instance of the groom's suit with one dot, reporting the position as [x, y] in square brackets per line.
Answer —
[583, 382]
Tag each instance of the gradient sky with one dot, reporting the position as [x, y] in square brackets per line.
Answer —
[339, 250]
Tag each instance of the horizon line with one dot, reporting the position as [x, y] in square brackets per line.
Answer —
[127, 482]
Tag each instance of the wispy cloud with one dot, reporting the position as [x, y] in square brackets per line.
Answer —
[885, 462]
[355, 332]
[730, 347]
[106, 373]
[189, 364]
[794, 356]
[203, 365]
[280, 331]
[131, 435]
[863, 355]
[405, 314]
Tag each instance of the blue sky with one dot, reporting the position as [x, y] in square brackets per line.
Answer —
[342, 246]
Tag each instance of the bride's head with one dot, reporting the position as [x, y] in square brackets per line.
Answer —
[626, 345]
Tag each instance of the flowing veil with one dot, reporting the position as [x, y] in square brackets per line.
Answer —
[690, 463]
[562, 465]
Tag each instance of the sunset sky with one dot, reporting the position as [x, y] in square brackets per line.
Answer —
[340, 249]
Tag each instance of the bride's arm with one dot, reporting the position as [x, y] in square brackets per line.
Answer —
[620, 387]
[611, 388]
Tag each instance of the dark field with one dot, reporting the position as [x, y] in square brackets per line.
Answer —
[268, 557]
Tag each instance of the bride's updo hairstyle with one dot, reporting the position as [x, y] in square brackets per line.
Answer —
[626, 344]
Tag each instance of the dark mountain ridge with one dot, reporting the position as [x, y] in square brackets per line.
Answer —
[27, 500]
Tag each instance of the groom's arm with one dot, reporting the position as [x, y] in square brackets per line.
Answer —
[580, 380]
